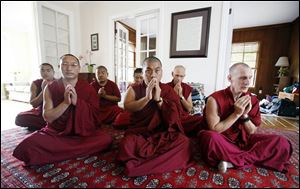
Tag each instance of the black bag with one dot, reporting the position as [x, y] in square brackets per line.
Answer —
[287, 108]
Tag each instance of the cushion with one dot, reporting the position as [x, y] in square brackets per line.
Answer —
[198, 98]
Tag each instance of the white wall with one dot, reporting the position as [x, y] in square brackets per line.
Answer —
[96, 18]
[201, 70]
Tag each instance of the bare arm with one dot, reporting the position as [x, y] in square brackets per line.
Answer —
[133, 105]
[156, 94]
[187, 103]
[111, 98]
[250, 127]
[213, 119]
[35, 99]
[50, 114]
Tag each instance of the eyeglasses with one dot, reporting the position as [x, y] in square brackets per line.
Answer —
[73, 64]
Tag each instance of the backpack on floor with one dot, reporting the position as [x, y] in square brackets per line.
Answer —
[287, 108]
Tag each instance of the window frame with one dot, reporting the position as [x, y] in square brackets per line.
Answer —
[255, 68]
[148, 34]
[42, 41]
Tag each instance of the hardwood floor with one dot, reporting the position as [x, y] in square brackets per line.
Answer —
[286, 123]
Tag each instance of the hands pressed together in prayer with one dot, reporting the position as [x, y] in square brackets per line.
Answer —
[70, 95]
[102, 92]
[243, 106]
[178, 89]
[153, 90]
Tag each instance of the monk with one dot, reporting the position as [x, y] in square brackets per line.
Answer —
[33, 118]
[70, 109]
[137, 76]
[122, 121]
[192, 124]
[232, 116]
[155, 142]
[108, 94]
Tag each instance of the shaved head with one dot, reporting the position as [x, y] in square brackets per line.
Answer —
[179, 67]
[235, 67]
[152, 69]
[151, 59]
[240, 75]
[178, 74]
[71, 55]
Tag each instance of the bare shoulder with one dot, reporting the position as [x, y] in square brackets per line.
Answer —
[211, 106]
[129, 95]
[211, 101]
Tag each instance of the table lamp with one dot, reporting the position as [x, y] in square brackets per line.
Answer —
[283, 63]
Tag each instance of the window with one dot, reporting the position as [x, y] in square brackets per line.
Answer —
[247, 53]
[131, 62]
[55, 36]
[122, 54]
[147, 32]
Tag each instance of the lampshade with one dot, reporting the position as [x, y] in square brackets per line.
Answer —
[282, 61]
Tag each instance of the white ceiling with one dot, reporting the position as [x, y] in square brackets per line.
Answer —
[260, 13]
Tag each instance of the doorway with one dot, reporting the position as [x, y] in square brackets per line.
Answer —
[136, 37]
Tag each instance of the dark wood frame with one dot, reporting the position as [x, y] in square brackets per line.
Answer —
[95, 35]
[205, 13]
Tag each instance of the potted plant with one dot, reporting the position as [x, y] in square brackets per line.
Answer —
[90, 67]
[87, 60]
[283, 71]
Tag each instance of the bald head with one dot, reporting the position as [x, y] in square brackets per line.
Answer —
[151, 59]
[69, 66]
[101, 74]
[178, 74]
[47, 71]
[101, 67]
[69, 55]
[240, 75]
[152, 69]
[179, 67]
[235, 67]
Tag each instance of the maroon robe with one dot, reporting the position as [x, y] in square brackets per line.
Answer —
[192, 124]
[123, 120]
[155, 143]
[236, 146]
[108, 110]
[186, 91]
[71, 135]
[33, 118]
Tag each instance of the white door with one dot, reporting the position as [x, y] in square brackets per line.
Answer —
[121, 56]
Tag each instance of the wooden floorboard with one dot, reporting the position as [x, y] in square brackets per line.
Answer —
[279, 122]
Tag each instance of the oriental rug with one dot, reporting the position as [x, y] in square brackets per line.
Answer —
[101, 170]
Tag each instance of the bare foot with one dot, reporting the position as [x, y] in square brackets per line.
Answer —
[223, 165]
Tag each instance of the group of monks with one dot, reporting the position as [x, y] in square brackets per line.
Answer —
[68, 114]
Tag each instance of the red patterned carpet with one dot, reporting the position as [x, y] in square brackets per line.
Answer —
[101, 170]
